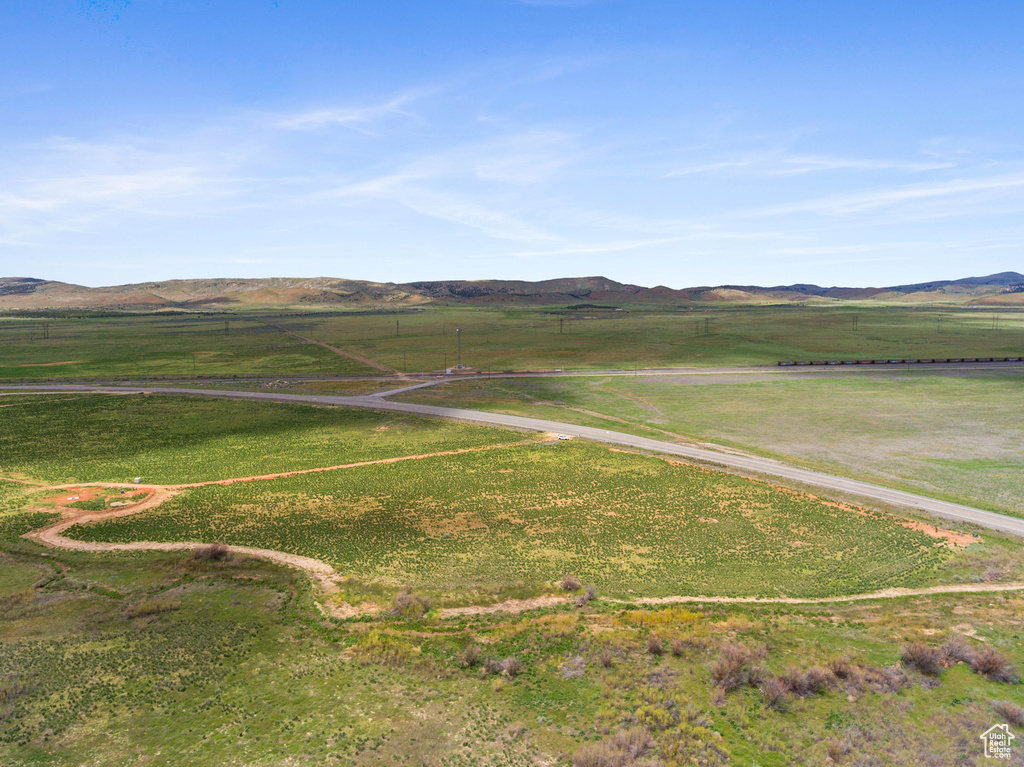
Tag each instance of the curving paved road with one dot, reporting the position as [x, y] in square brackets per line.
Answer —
[944, 509]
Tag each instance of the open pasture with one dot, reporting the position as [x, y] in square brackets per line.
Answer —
[159, 658]
[15, 518]
[556, 337]
[167, 440]
[159, 346]
[522, 516]
[494, 338]
[949, 434]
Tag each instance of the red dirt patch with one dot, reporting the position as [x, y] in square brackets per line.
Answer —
[70, 495]
[949, 536]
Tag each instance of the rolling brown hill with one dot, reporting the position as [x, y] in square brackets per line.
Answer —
[326, 293]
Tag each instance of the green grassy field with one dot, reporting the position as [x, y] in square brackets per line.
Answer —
[15, 518]
[160, 659]
[153, 658]
[581, 339]
[520, 517]
[153, 345]
[951, 435]
[493, 338]
[165, 440]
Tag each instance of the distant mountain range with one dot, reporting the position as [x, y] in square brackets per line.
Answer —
[25, 293]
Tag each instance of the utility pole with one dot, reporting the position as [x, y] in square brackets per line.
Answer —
[405, 366]
[396, 328]
[560, 326]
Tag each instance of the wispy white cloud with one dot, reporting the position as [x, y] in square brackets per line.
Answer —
[523, 158]
[861, 202]
[520, 185]
[68, 185]
[782, 164]
[810, 164]
[420, 188]
[355, 116]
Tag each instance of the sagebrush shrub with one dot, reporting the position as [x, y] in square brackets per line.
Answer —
[841, 668]
[994, 665]
[921, 657]
[774, 690]
[654, 645]
[1011, 712]
[957, 651]
[619, 750]
[570, 582]
[409, 605]
[811, 681]
[511, 667]
[837, 748]
[215, 552]
[587, 596]
[731, 669]
[471, 656]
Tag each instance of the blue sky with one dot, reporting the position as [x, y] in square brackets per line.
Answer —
[676, 143]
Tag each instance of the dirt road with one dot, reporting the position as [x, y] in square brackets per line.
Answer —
[730, 460]
[327, 577]
[342, 353]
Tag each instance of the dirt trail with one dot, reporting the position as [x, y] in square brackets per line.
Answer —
[296, 472]
[508, 606]
[278, 475]
[326, 576]
[30, 482]
[890, 593]
[52, 535]
[343, 353]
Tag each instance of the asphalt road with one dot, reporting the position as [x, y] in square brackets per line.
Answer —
[722, 374]
[765, 466]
